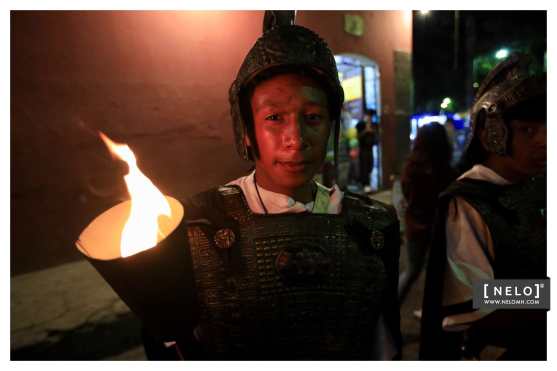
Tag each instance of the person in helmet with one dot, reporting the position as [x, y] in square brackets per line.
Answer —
[491, 225]
[283, 267]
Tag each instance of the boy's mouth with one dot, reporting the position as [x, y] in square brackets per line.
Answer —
[293, 166]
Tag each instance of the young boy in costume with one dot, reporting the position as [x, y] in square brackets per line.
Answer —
[282, 267]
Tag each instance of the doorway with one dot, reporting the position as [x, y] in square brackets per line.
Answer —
[360, 79]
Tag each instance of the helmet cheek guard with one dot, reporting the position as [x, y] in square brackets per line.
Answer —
[240, 126]
[497, 135]
[283, 48]
[496, 131]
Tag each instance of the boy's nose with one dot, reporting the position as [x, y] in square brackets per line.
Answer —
[294, 134]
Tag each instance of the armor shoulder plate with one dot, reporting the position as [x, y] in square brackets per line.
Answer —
[471, 188]
[197, 206]
[217, 206]
[371, 213]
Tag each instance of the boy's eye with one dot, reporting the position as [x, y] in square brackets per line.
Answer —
[313, 117]
[273, 117]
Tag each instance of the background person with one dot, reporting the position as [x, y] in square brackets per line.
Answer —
[426, 173]
[367, 138]
[492, 224]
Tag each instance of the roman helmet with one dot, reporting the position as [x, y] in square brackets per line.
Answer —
[507, 85]
[283, 47]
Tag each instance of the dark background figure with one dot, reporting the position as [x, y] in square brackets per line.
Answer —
[367, 138]
[343, 150]
[491, 224]
[426, 173]
[452, 135]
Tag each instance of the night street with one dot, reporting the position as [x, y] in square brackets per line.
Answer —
[137, 130]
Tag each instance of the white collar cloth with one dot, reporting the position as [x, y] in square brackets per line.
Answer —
[481, 172]
[277, 203]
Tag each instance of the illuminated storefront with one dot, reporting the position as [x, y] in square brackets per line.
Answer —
[360, 79]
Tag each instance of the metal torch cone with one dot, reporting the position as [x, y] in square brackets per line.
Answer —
[157, 284]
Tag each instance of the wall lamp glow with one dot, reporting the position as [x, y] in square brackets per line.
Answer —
[502, 53]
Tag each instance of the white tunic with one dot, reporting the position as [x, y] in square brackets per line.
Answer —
[467, 235]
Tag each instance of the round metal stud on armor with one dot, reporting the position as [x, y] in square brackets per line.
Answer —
[225, 238]
[301, 264]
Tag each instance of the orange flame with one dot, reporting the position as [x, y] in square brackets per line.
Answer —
[141, 231]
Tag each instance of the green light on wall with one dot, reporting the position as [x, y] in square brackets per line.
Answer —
[354, 24]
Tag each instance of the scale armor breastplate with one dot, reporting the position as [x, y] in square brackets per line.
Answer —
[292, 286]
[515, 216]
